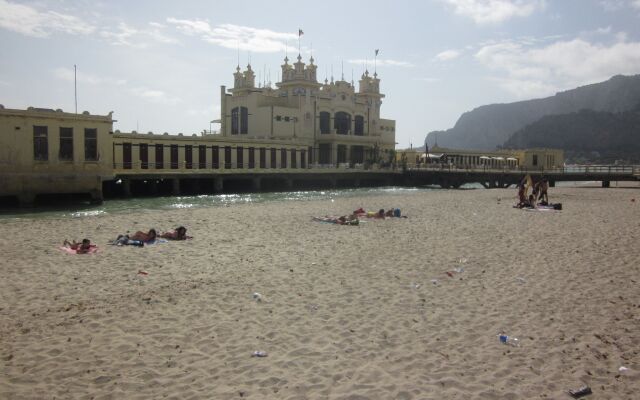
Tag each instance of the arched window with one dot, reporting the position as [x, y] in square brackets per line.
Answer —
[342, 123]
[325, 122]
[359, 125]
[234, 121]
[244, 120]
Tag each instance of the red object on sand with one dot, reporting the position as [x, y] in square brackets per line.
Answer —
[450, 274]
[143, 272]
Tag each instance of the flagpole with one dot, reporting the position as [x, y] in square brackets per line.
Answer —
[75, 86]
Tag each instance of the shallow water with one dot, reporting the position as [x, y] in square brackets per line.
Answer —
[221, 200]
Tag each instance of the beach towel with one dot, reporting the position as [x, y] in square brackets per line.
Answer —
[335, 220]
[68, 250]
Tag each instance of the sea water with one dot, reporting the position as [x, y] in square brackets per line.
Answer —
[139, 204]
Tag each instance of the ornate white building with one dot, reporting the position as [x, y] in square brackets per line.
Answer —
[338, 124]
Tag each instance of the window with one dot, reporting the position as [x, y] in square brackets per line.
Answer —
[283, 158]
[66, 144]
[278, 118]
[342, 153]
[535, 159]
[144, 155]
[359, 125]
[325, 123]
[40, 143]
[325, 153]
[303, 159]
[244, 120]
[159, 156]
[263, 157]
[202, 156]
[90, 144]
[126, 155]
[173, 153]
[215, 157]
[239, 120]
[287, 119]
[188, 156]
[227, 157]
[342, 123]
[239, 157]
[273, 158]
[234, 121]
[252, 157]
[294, 160]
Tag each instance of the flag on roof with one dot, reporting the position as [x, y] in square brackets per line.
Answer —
[300, 32]
[377, 51]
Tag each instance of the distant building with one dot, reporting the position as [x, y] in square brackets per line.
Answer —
[534, 159]
[45, 151]
[338, 124]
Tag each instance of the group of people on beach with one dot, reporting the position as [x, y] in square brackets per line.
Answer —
[139, 239]
[354, 217]
[539, 193]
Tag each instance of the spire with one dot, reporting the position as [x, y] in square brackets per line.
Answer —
[342, 66]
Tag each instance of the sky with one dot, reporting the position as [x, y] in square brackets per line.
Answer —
[159, 65]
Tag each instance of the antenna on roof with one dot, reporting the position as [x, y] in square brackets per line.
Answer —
[342, 68]
[75, 86]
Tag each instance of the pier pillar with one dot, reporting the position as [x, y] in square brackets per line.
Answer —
[606, 184]
[218, 185]
[552, 183]
[126, 187]
[289, 183]
[153, 187]
[175, 187]
[96, 196]
[257, 184]
[26, 199]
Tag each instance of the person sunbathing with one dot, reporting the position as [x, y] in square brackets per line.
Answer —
[80, 247]
[144, 237]
[180, 233]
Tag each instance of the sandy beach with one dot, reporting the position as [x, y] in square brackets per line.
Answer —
[365, 312]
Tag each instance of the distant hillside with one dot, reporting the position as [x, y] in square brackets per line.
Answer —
[586, 135]
[490, 126]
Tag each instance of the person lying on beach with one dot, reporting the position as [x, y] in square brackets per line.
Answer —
[144, 237]
[80, 247]
[180, 233]
[125, 240]
[342, 220]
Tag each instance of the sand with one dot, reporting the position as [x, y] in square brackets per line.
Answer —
[364, 312]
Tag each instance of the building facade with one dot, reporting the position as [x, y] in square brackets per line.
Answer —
[339, 124]
[44, 151]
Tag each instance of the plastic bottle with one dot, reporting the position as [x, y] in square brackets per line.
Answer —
[510, 340]
[259, 354]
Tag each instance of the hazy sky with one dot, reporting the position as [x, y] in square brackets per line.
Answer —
[159, 65]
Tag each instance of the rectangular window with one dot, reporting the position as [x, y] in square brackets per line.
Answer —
[173, 154]
[310, 152]
[215, 157]
[235, 121]
[325, 153]
[144, 155]
[303, 159]
[535, 159]
[202, 157]
[294, 160]
[90, 144]
[283, 158]
[40, 143]
[359, 125]
[126, 155]
[239, 157]
[325, 122]
[252, 157]
[188, 156]
[227, 157]
[66, 144]
[244, 120]
[273, 158]
[159, 156]
[263, 157]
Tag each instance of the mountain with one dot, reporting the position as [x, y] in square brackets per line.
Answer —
[586, 136]
[490, 126]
